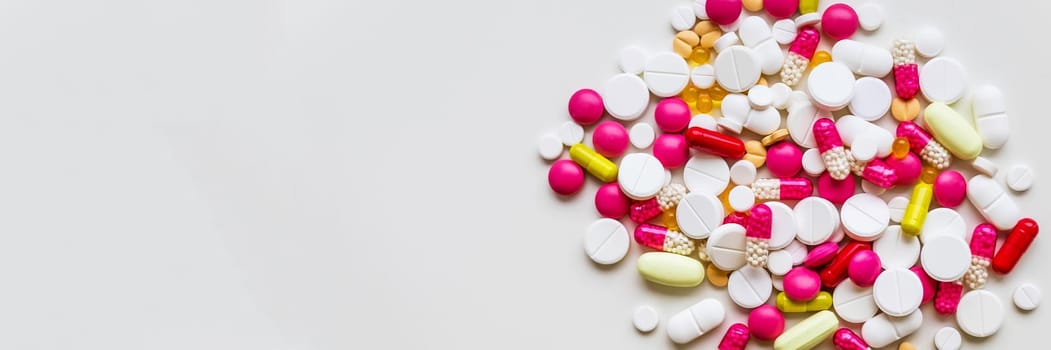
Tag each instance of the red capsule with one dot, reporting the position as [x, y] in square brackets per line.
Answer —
[1015, 245]
[714, 142]
[846, 339]
[836, 271]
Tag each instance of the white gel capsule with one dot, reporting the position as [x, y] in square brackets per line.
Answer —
[863, 59]
[695, 321]
[755, 33]
[990, 116]
[995, 205]
[883, 330]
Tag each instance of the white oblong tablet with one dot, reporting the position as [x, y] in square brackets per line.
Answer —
[852, 303]
[948, 338]
[741, 198]
[705, 173]
[831, 85]
[798, 250]
[779, 262]
[863, 59]
[897, 207]
[698, 214]
[641, 135]
[865, 216]
[897, 292]
[816, 218]
[945, 258]
[696, 320]
[883, 330]
[984, 166]
[863, 149]
[645, 319]
[980, 313]
[871, 99]
[943, 222]
[800, 121]
[625, 96]
[749, 287]
[993, 202]
[632, 59]
[943, 80]
[640, 176]
[781, 93]
[726, 41]
[703, 76]
[550, 147]
[813, 164]
[782, 226]
[929, 42]
[896, 249]
[606, 241]
[785, 31]
[1020, 178]
[743, 172]
[683, 18]
[666, 74]
[870, 16]
[737, 69]
[990, 116]
[853, 128]
[1027, 297]
[571, 133]
[704, 121]
[725, 247]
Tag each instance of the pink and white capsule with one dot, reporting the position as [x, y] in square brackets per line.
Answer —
[875, 171]
[668, 197]
[983, 244]
[760, 219]
[922, 143]
[947, 298]
[663, 239]
[831, 147]
[906, 72]
[846, 339]
[736, 337]
[789, 188]
[799, 54]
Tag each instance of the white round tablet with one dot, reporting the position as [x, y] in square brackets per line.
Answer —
[1020, 177]
[703, 76]
[749, 287]
[683, 18]
[948, 338]
[725, 247]
[870, 16]
[896, 249]
[929, 42]
[872, 188]
[865, 216]
[798, 250]
[800, 122]
[737, 69]
[625, 96]
[606, 241]
[779, 262]
[897, 292]
[831, 85]
[1027, 297]
[645, 319]
[781, 93]
[704, 121]
[698, 214]
[743, 172]
[705, 173]
[897, 207]
[641, 135]
[782, 226]
[666, 74]
[632, 59]
[984, 166]
[945, 258]
[667, 177]
[837, 235]
[571, 133]
[980, 313]
[852, 303]
[699, 9]
[864, 148]
[778, 282]
[640, 176]
[943, 80]
[871, 99]
[813, 164]
[550, 146]
[785, 31]
[943, 222]
[816, 218]
[741, 198]
[761, 97]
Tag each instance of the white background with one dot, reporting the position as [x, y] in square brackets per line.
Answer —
[311, 174]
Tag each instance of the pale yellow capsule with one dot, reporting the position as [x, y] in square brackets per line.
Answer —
[953, 131]
[670, 269]
[808, 333]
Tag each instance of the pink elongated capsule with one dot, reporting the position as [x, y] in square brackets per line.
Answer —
[736, 337]
[663, 239]
[875, 171]
[643, 211]
[922, 143]
[983, 244]
[736, 218]
[799, 54]
[831, 147]
[947, 297]
[757, 250]
[821, 255]
[906, 72]
[846, 339]
[790, 188]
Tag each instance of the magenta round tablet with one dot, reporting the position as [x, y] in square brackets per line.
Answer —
[950, 188]
[672, 150]
[835, 191]
[784, 159]
[766, 322]
[585, 106]
[565, 177]
[927, 282]
[610, 139]
[781, 8]
[864, 267]
[802, 284]
[723, 12]
[839, 21]
[672, 115]
[611, 202]
[908, 169]
[821, 255]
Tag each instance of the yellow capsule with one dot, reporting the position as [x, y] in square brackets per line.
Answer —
[900, 148]
[689, 94]
[704, 103]
[822, 301]
[668, 219]
[929, 174]
[916, 211]
[599, 166]
[808, 333]
[819, 58]
[717, 93]
[699, 56]
[807, 6]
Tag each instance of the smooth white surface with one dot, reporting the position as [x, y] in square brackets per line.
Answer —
[871, 100]
[705, 173]
[606, 241]
[980, 313]
[943, 222]
[726, 246]
[897, 292]
[749, 286]
[782, 225]
[550, 147]
[743, 172]
[929, 42]
[862, 58]
[985, 166]
[784, 31]
[813, 164]
[1020, 178]
[641, 135]
[870, 16]
[761, 97]
[779, 262]
[943, 79]
[831, 85]
[852, 303]
[625, 96]
[897, 206]
[945, 258]
[683, 18]
[703, 76]
[1027, 296]
[990, 116]
[645, 319]
[737, 68]
[741, 198]
[882, 330]
[897, 249]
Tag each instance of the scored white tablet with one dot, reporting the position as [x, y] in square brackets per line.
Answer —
[816, 218]
[726, 247]
[698, 214]
[606, 241]
[945, 258]
[852, 303]
[897, 292]
[705, 173]
[897, 249]
[749, 287]
[865, 216]
[640, 176]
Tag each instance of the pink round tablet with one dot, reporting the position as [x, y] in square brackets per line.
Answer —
[908, 169]
[585, 106]
[766, 322]
[565, 177]
[839, 21]
[780, 9]
[835, 191]
[672, 150]
[723, 12]
[864, 268]
[610, 139]
[821, 255]
[950, 188]
[611, 202]
[927, 282]
[802, 284]
[784, 159]
[672, 115]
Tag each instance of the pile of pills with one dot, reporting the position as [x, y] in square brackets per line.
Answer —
[784, 198]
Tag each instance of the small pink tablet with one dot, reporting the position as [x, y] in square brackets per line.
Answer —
[610, 139]
[565, 177]
[672, 150]
[821, 255]
[780, 9]
[835, 191]
[839, 21]
[950, 188]
[723, 12]
[611, 202]
[864, 268]
[802, 284]
[585, 107]
[672, 115]
[766, 322]
[784, 159]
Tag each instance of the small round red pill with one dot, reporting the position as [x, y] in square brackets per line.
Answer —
[565, 177]
[585, 106]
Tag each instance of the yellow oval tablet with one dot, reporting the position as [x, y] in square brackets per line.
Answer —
[808, 333]
[822, 301]
[952, 131]
[671, 270]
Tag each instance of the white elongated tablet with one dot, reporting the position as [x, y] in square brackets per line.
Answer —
[761, 97]
[852, 303]
[666, 74]
[897, 207]
[683, 18]
[896, 249]
[984, 166]
[995, 205]
[737, 69]
[779, 262]
[703, 76]
[726, 247]
[741, 198]
[864, 216]
[831, 85]
[897, 292]
[743, 172]
[929, 42]
[632, 59]
[782, 225]
[808, 19]
[863, 149]
[863, 59]
[571, 133]
[640, 176]
[785, 31]
[550, 147]
[704, 121]
[1027, 297]
[781, 94]
[813, 164]
[606, 241]
[980, 313]
[870, 16]
[705, 173]
[948, 338]
[645, 319]
[798, 250]
[698, 214]
[883, 330]
[945, 258]
[625, 96]
[641, 135]
[990, 116]
[943, 222]
[852, 128]
[749, 287]
[816, 218]
[871, 99]
[1020, 177]
[800, 121]
[696, 320]
[755, 33]
[943, 80]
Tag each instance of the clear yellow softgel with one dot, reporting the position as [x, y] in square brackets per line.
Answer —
[900, 148]
[819, 58]
[668, 219]
[699, 56]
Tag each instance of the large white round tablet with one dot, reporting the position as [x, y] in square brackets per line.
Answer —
[831, 85]
[816, 218]
[743, 172]
[929, 42]
[1020, 177]
[705, 173]
[785, 31]
[1027, 297]
[550, 147]
[897, 207]
[813, 164]
[749, 287]
[698, 214]
[761, 97]
[871, 98]
[645, 319]
[980, 313]
[625, 96]
[943, 80]
[666, 74]
[640, 176]
[703, 76]
[896, 249]
[852, 303]
[943, 222]
[571, 133]
[741, 198]
[945, 258]
[737, 69]
[865, 216]
[870, 16]
[606, 241]
[726, 247]
[632, 59]
[782, 225]
[948, 338]
[779, 262]
[641, 135]
[897, 292]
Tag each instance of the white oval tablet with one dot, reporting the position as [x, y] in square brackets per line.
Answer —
[943, 222]
[813, 164]
[782, 226]
[743, 172]
[929, 42]
[853, 128]
[883, 330]
[749, 287]
[852, 303]
[666, 74]
[800, 121]
[641, 135]
[1027, 297]
[726, 247]
[781, 93]
[702, 317]
[640, 176]
[945, 258]
[683, 18]
[871, 99]
[816, 218]
[625, 96]
[990, 116]
[785, 31]
[698, 214]
[872, 188]
[705, 173]
[550, 147]
[606, 241]
[737, 69]
[632, 59]
[865, 216]
[870, 16]
[896, 249]
[863, 149]
[1020, 178]
[741, 198]
[897, 207]
[645, 319]
[798, 250]
[704, 121]
[779, 262]
[943, 80]
[948, 338]
[703, 76]
[571, 133]
[993, 202]
[980, 313]
[897, 292]
[984, 166]
[761, 97]
[831, 85]
[863, 59]
[808, 19]
[728, 40]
